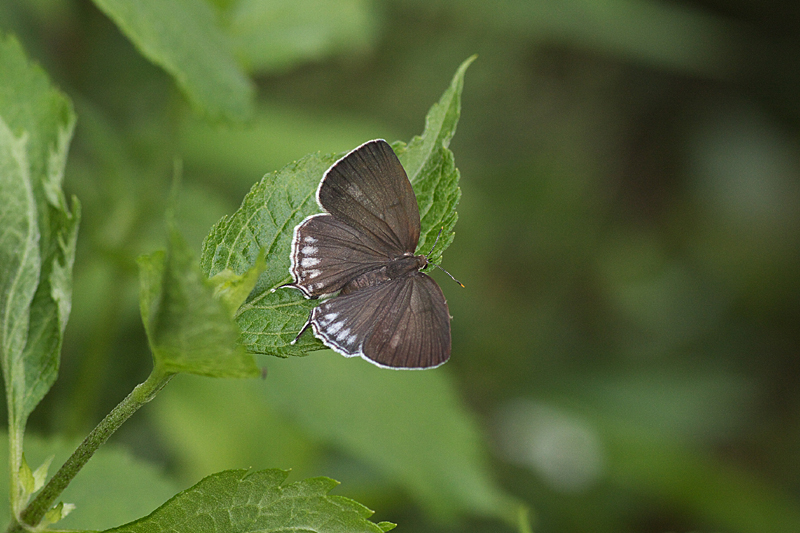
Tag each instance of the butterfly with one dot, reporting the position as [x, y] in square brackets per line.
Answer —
[362, 247]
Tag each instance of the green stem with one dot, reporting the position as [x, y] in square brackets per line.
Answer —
[143, 393]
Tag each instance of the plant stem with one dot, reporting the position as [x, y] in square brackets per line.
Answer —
[140, 395]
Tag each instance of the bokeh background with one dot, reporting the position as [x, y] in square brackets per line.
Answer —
[628, 236]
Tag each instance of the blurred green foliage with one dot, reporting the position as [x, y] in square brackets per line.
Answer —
[629, 235]
[112, 468]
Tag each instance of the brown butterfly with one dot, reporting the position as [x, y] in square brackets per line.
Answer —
[362, 248]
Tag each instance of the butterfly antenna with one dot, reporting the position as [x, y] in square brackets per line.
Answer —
[437, 266]
[435, 241]
[451, 276]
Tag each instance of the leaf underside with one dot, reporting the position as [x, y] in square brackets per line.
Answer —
[38, 230]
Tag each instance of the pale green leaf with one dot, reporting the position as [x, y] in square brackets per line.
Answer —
[40, 475]
[233, 289]
[189, 330]
[262, 144]
[58, 513]
[210, 425]
[26, 478]
[20, 261]
[243, 501]
[183, 37]
[281, 200]
[51, 304]
[151, 275]
[37, 239]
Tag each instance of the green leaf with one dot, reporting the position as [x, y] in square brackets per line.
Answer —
[37, 235]
[40, 475]
[26, 478]
[189, 330]
[241, 501]
[281, 200]
[309, 406]
[261, 144]
[272, 36]
[210, 425]
[20, 263]
[410, 426]
[58, 513]
[183, 37]
[266, 220]
[233, 289]
[431, 168]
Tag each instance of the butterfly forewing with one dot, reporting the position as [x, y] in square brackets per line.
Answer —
[403, 323]
[369, 190]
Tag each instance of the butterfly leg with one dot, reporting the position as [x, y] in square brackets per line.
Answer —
[303, 329]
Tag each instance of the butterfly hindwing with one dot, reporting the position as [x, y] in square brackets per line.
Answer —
[402, 323]
[416, 333]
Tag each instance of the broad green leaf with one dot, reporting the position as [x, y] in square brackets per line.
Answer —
[410, 426]
[37, 234]
[113, 488]
[189, 330]
[272, 35]
[410, 429]
[210, 425]
[244, 501]
[183, 37]
[281, 200]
